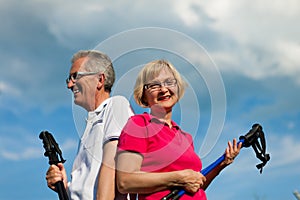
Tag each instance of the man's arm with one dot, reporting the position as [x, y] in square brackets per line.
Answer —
[106, 177]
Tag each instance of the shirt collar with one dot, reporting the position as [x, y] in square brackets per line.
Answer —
[98, 110]
[155, 119]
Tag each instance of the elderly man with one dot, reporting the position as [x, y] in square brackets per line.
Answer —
[93, 175]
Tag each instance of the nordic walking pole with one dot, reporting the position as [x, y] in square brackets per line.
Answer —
[52, 151]
[252, 138]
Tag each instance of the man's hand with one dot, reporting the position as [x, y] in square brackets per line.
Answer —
[54, 174]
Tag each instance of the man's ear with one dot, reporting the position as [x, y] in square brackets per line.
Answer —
[101, 79]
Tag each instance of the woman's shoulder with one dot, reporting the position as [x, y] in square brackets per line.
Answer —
[140, 116]
[140, 119]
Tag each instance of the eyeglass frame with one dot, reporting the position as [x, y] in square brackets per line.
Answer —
[74, 76]
[158, 84]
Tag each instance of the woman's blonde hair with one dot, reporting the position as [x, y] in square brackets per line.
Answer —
[149, 72]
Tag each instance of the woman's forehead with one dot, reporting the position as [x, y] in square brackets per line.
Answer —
[164, 72]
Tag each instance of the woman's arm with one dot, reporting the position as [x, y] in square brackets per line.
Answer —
[106, 177]
[230, 153]
[131, 180]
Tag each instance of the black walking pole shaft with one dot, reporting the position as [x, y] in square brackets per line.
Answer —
[62, 193]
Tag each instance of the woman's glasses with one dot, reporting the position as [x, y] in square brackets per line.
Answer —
[157, 85]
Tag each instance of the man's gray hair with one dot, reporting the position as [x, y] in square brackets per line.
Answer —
[97, 62]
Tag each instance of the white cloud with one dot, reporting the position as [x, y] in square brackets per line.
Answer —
[187, 13]
[68, 26]
[245, 20]
[28, 151]
[69, 144]
[289, 53]
[7, 89]
[19, 146]
[265, 34]
[284, 150]
[25, 154]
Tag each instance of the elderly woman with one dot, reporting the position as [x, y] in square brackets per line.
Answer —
[154, 154]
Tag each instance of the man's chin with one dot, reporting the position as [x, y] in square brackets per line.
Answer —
[77, 102]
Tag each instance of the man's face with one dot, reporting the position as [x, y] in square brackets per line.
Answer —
[84, 87]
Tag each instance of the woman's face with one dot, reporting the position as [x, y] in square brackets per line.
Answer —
[162, 91]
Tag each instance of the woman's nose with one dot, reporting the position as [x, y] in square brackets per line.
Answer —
[163, 88]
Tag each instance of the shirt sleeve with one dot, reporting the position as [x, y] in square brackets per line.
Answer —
[134, 136]
[117, 114]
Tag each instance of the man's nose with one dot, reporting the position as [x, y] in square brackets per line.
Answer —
[70, 84]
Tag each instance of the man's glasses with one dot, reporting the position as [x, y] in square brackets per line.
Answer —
[77, 75]
[157, 85]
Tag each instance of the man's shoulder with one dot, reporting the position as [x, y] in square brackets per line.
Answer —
[119, 105]
[119, 99]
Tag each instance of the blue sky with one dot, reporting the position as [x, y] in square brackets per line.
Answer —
[240, 58]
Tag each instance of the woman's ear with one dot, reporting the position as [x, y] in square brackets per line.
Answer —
[144, 100]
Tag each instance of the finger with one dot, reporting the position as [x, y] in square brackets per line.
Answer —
[231, 147]
[227, 152]
[51, 187]
[51, 181]
[60, 166]
[235, 148]
[234, 144]
[240, 145]
[229, 144]
[53, 176]
[195, 187]
[203, 179]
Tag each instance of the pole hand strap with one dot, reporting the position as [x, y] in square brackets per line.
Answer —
[53, 152]
[256, 138]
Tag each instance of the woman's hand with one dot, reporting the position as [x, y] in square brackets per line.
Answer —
[231, 152]
[191, 180]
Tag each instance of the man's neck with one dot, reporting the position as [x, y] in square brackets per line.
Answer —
[100, 98]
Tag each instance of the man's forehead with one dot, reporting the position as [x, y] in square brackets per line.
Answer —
[78, 65]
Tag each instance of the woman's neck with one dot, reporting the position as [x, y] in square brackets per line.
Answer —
[163, 116]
